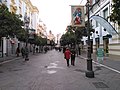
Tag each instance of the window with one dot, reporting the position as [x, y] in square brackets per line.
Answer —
[105, 13]
[96, 1]
[97, 22]
[119, 29]
[20, 7]
[93, 1]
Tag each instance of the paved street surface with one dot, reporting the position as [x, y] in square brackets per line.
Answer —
[49, 72]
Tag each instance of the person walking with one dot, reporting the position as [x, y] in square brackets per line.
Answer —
[67, 54]
[37, 50]
[73, 56]
[64, 48]
[23, 52]
[45, 49]
[18, 51]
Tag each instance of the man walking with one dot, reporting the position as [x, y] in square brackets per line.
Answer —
[73, 56]
[23, 52]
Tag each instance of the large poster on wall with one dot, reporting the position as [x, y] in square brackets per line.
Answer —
[78, 16]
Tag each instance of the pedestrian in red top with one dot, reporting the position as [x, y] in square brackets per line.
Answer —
[67, 56]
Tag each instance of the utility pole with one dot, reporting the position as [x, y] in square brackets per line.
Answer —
[89, 73]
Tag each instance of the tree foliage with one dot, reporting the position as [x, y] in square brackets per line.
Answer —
[22, 35]
[10, 23]
[74, 35]
[67, 38]
[115, 15]
[38, 40]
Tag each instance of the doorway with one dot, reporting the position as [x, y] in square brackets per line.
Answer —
[105, 45]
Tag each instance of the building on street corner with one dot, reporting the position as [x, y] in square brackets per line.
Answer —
[8, 45]
[103, 37]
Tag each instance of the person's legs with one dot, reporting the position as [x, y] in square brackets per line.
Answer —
[22, 55]
[73, 62]
[17, 54]
[67, 62]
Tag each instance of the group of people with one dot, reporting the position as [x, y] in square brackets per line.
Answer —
[69, 54]
[22, 52]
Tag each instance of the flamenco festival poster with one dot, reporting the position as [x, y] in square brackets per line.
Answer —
[78, 16]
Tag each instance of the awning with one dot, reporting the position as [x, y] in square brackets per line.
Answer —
[103, 22]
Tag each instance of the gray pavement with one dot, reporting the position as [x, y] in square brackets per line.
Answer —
[6, 58]
[109, 61]
[49, 72]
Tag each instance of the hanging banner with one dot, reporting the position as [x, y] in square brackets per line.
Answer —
[78, 16]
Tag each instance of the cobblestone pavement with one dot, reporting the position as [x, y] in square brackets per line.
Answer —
[49, 72]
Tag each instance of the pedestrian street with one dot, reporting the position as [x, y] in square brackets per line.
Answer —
[49, 71]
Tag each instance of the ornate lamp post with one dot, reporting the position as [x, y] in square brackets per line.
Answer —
[26, 22]
[89, 73]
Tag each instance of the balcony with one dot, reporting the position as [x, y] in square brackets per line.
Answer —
[13, 8]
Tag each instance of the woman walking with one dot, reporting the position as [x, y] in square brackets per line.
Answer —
[67, 54]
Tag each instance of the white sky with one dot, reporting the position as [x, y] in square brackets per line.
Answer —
[56, 14]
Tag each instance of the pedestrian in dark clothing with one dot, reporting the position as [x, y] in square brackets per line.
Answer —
[59, 49]
[18, 51]
[73, 57]
[67, 54]
[64, 48]
[23, 52]
[45, 49]
[37, 50]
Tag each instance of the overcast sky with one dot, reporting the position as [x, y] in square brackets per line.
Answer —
[56, 14]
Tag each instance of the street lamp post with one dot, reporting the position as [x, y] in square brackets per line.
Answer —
[89, 73]
[27, 21]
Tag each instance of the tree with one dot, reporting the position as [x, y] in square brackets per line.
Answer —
[44, 41]
[69, 37]
[22, 35]
[10, 23]
[38, 40]
[74, 35]
[115, 15]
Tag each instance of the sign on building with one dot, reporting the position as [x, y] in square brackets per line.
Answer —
[100, 54]
[78, 16]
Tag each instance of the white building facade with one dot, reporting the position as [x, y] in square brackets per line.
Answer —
[100, 37]
[21, 7]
